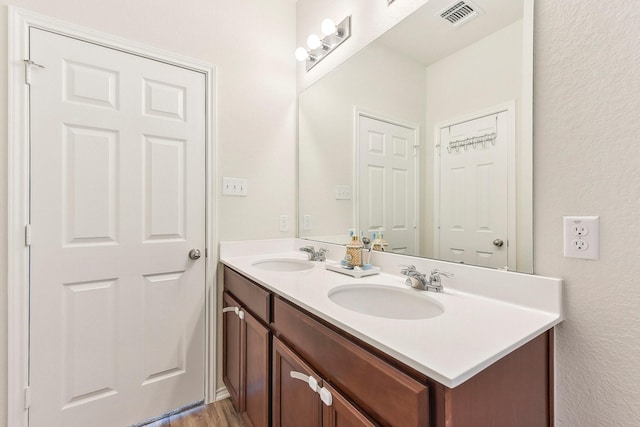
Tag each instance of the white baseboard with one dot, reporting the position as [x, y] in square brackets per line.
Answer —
[221, 393]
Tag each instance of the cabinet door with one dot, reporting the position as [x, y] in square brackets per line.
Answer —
[232, 352]
[256, 373]
[387, 394]
[342, 413]
[295, 404]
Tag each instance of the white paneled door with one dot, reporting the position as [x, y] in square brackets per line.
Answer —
[117, 203]
[473, 191]
[387, 182]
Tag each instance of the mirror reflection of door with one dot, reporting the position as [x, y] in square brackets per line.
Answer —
[474, 212]
[387, 174]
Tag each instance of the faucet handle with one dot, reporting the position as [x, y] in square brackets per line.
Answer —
[408, 270]
[436, 272]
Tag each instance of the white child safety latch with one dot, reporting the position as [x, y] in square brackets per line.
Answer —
[236, 310]
[325, 395]
[313, 383]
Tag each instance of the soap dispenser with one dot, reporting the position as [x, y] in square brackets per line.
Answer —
[354, 250]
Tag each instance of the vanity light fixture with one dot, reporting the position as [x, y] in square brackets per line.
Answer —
[328, 27]
[334, 36]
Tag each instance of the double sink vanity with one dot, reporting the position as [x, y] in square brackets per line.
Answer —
[393, 144]
[306, 346]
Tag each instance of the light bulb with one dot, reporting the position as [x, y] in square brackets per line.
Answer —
[313, 41]
[328, 27]
[302, 54]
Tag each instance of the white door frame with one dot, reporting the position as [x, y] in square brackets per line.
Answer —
[510, 108]
[18, 174]
[360, 112]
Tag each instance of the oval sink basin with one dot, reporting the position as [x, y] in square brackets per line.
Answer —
[385, 301]
[283, 264]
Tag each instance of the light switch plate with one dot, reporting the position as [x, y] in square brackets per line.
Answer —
[581, 237]
[234, 186]
[343, 192]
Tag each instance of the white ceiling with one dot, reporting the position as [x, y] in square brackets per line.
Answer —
[427, 38]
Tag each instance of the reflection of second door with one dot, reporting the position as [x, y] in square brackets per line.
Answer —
[473, 191]
[387, 187]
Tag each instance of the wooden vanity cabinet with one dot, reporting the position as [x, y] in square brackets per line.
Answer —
[368, 386]
[386, 394]
[232, 354]
[295, 403]
[246, 348]
[516, 390]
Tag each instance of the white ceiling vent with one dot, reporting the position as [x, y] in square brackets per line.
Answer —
[460, 12]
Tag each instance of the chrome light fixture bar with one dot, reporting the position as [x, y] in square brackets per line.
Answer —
[334, 36]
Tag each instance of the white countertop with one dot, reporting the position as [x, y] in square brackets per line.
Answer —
[474, 331]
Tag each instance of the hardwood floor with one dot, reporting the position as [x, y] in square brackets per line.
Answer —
[217, 414]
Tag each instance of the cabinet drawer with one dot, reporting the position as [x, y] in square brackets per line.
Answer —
[252, 297]
[388, 395]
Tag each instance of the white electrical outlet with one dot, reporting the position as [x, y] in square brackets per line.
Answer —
[581, 237]
[284, 222]
[306, 222]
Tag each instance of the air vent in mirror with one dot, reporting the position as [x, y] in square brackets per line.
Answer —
[460, 12]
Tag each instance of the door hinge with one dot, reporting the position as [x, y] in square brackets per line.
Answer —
[27, 235]
[27, 69]
[415, 150]
[27, 397]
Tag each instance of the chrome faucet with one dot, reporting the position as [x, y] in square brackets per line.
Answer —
[417, 280]
[320, 255]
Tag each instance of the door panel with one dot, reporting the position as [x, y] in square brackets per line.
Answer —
[92, 349]
[164, 189]
[164, 354]
[89, 185]
[117, 202]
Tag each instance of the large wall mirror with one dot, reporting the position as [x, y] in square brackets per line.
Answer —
[424, 136]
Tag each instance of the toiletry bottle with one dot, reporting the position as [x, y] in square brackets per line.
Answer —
[354, 251]
[377, 244]
[383, 242]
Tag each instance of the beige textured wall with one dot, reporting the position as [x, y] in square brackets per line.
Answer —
[587, 162]
[251, 43]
